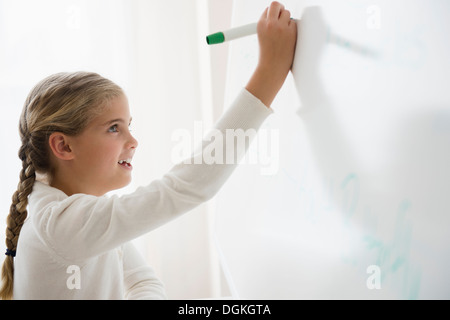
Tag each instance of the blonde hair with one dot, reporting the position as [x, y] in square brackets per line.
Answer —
[63, 102]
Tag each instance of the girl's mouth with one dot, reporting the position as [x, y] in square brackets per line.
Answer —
[126, 163]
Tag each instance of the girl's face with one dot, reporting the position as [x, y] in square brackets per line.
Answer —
[104, 150]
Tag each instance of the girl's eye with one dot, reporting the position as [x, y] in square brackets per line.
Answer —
[113, 128]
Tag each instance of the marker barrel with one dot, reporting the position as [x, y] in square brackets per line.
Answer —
[240, 32]
[232, 34]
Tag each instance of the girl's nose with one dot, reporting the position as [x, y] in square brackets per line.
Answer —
[132, 143]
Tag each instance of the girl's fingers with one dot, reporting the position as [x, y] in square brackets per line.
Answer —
[285, 16]
[275, 11]
[264, 15]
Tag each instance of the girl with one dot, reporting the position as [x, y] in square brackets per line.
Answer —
[75, 243]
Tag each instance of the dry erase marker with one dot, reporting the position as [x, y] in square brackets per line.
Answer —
[231, 34]
[234, 33]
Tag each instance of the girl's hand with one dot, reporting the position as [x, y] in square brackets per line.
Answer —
[277, 35]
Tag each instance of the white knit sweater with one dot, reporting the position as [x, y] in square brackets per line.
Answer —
[78, 247]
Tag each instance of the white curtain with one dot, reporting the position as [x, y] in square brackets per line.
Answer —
[156, 51]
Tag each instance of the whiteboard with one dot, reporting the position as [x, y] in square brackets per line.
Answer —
[348, 197]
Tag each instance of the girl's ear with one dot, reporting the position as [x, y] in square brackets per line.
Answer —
[59, 144]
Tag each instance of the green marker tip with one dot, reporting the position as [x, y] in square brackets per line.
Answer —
[215, 38]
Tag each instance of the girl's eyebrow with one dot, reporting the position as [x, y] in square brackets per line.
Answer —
[109, 122]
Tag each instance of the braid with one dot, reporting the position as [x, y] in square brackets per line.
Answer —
[15, 220]
[18, 212]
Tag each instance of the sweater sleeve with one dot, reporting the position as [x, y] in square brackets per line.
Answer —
[83, 226]
[140, 281]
